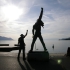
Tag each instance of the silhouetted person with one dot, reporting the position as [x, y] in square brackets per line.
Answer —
[22, 45]
[53, 46]
[37, 33]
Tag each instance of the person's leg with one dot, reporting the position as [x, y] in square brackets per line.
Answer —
[33, 41]
[24, 53]
[19, 53]
[41, 39]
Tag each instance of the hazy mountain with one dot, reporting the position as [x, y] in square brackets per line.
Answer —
[65, 38]
[5, 38]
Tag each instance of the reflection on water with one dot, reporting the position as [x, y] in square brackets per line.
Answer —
[59, 46]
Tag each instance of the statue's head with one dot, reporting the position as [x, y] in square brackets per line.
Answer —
[40, 22]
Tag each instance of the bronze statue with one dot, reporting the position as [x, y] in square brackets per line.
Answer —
[37, 33]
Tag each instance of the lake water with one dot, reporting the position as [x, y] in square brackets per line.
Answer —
[60, 46]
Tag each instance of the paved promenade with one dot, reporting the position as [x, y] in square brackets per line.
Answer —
[10, 62]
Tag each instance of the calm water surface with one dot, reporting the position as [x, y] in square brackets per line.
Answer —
[60, 46]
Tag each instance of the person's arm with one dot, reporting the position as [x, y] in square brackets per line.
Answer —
[26, 33]
[40, 17]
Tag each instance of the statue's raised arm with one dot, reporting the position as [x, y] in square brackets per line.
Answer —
[40, 17]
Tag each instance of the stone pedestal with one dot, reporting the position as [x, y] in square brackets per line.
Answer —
[38, 56]
[68, 51]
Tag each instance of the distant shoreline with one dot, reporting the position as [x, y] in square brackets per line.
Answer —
[7, 40]
[64, 39]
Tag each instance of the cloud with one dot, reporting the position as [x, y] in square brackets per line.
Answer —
[65, 3]
[59, 27]
[24, 4]
[3, 2]
[55, 17]
[15, 26]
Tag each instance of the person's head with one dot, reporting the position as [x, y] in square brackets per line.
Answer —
[22, 35]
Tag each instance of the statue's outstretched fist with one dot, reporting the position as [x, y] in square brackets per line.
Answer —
[27, 30]
[41, 8]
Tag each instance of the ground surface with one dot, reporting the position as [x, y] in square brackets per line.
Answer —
[10, 62]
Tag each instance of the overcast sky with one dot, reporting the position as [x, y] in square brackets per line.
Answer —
[16, 16]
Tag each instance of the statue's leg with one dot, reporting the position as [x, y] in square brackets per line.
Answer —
[41, 39]
[33, 41]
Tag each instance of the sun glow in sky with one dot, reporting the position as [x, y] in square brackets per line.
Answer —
[12, 12]
[17, 16]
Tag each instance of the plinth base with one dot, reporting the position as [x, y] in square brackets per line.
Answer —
[38, 56]
[68, 51]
